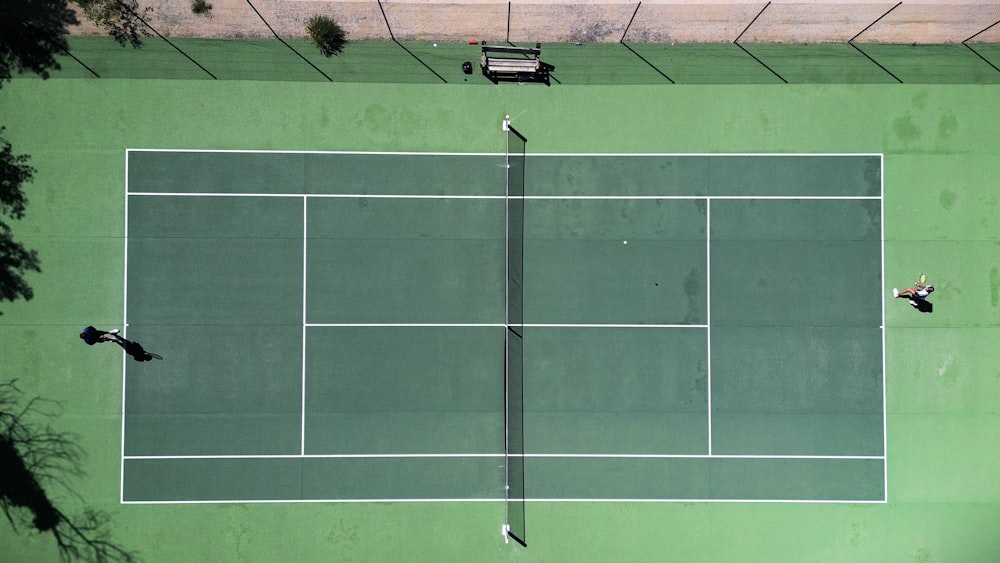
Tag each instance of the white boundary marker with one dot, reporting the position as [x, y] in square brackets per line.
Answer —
[708, 317]
[498, 325]
[305, 239]
[500, 197]
[885, 405]
[305, 325]
[629, 500]
[500, 455]
[439, 153]
[121, 488]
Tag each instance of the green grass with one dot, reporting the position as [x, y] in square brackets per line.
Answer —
[941, 204]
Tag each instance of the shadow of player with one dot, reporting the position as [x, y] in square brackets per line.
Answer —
[922, 305]
[136, 350]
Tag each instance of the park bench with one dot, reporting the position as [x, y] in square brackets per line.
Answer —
[513, 63]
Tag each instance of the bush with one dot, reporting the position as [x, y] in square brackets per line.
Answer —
[327, 35]
[201, 7]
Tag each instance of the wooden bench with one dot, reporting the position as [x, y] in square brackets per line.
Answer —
[504, 66]
[521, 64]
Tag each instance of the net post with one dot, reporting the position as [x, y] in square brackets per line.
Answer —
[505, 127]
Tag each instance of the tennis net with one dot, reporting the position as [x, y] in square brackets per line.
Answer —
[513, 338]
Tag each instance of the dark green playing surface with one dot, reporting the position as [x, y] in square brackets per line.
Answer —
[697, 327]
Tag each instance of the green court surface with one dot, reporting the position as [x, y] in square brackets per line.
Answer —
[272, 397]
[411, 62]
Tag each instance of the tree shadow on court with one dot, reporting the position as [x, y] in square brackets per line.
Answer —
[922, 305]
[134, 349]
[15, 259]
[34, 458]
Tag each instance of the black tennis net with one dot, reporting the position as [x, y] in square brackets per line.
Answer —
[514, 338]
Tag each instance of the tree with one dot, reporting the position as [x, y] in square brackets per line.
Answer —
[327, 35]
[121, 18]
[31, 32]
[15, 260]
[33, 457]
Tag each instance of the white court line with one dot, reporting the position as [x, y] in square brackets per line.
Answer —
[708, 197]
[497, 325]
[710, 456]
[630, 500]
[309, 456]
[305, 239]
[209, 194]
[885, 407]
[404, 196]
[571, 325]
[501, 455]
[700, 500]
[306, 501]
[527, 197]
[410, 153]
[121, 484]
[429, 325]
[708, 316]
[268, 151]
[803, 154]
[320, 196]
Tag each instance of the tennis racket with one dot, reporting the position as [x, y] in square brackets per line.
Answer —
[922, 278]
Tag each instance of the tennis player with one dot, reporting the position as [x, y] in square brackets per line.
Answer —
[918, 291]
[92, 336]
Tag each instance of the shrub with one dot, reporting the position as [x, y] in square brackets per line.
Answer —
[327, 35]
[201, 7]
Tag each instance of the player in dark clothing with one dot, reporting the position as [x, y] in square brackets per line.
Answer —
[92, 336]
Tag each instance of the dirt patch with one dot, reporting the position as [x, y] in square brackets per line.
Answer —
[663, 21]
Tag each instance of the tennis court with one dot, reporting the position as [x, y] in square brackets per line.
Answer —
[664, 332]
[334, 324]
[227, 289]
